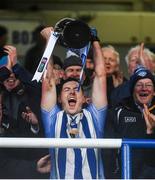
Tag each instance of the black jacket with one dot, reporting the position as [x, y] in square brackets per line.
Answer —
[127, 121]
[20, 163]
[119, 93]
[113, 93]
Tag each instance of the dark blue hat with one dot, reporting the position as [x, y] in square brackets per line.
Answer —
[72, 61]
[140, 73]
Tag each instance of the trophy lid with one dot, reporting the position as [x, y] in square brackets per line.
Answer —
[74, 33]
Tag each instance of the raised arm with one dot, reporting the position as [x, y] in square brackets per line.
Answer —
[49, 96]
[143, 52]
[14, 66]
[99, 92]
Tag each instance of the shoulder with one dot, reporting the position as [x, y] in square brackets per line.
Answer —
[120, 92]
[92, 108]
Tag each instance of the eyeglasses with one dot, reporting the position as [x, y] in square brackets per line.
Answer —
[142, 86]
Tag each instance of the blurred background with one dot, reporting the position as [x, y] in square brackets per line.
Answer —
[121, 23]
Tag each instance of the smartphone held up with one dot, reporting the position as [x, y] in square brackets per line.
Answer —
[3, 58]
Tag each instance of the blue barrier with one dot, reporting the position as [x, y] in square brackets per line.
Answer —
[127, 144]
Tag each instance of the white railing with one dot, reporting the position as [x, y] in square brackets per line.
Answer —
[57, 143]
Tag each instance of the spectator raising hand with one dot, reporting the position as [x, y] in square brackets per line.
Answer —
[12, 55]
[149, 119]
[134, 117]
[17, 120]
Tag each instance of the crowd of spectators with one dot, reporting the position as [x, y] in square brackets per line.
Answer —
[107, 105]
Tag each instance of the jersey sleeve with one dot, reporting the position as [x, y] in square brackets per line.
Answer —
[99, 117]
[49, 120]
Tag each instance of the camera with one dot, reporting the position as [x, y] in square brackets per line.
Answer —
[73, 33]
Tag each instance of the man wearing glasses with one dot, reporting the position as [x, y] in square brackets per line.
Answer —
[133, 118]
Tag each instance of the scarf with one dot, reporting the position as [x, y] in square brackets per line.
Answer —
[76, 163]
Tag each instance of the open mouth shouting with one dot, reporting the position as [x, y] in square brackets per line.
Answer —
[72, 102]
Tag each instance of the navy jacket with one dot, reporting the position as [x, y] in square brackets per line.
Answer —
[127, 121]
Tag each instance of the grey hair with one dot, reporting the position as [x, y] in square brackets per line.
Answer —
[114, 52]
[136, 48]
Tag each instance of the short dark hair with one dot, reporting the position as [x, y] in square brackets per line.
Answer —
[63, 81]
